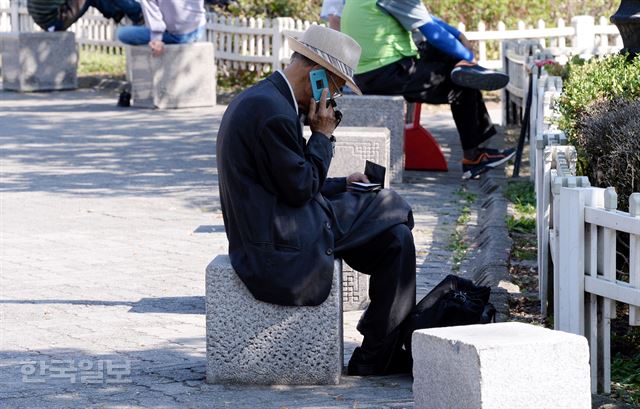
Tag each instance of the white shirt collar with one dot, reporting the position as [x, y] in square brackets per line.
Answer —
[295, 104]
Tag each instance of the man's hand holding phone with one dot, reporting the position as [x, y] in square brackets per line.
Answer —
[321, 116]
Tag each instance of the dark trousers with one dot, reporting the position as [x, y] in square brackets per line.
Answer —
[390, 259]
[427, 79]
[72, 10]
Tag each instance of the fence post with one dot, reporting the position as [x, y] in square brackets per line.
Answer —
[634, 260]
[533, 132]
[504, 50]
[276, 43]
[585, 37]
[482, 45]
[15, 16]
[570, 308]
[609, 274]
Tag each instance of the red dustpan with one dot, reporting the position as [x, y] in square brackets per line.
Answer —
[421, 151]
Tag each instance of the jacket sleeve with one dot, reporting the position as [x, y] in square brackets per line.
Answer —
[297, 171]
[153, 18]
[333, 186]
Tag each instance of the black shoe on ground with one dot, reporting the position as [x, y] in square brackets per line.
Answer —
[366, 363]
[485, 160]
[124, 100]
[477, 77]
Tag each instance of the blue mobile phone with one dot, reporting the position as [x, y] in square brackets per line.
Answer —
[319, 82]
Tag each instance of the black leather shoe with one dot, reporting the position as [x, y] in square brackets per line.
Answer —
[363, 363]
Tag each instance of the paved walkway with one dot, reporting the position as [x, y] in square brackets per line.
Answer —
[108, 219]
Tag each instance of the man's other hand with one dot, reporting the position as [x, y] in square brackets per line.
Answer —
[321, 118]
[465, 63]
[357, 177]
[157, 47]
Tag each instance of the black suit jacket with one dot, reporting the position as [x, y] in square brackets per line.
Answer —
[278, 223]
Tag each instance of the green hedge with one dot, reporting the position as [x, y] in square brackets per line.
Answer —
[608, 79]
[453, 11]
[600, 112]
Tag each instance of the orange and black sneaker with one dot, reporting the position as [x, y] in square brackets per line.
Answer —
[485, 160]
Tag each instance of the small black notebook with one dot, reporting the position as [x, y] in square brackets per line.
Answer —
[364, 187]
[375, 173]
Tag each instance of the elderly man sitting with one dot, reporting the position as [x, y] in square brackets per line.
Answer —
[286, 221]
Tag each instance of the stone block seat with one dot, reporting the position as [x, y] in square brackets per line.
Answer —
[253, 342]
[355, 146]
[506, 365]
[378, 111]
[40, 61]
[412, 146]
[183, 76]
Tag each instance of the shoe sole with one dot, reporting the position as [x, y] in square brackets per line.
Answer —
[485, 81]
[470, 174]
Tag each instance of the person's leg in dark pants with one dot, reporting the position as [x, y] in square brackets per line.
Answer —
[390, 260]
[428, 80]
[70, 12]
[116, 9]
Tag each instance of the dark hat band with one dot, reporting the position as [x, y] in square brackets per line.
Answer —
[342, 67]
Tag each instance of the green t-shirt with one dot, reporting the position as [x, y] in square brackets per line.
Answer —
[382, 38]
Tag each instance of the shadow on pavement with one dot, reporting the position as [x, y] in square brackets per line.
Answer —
[82, 144]
[169, 377]
[172, 305]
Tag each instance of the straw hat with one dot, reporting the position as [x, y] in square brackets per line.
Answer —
[332, 49]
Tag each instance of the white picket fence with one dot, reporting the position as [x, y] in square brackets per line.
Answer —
[577, 229]
[258, 44]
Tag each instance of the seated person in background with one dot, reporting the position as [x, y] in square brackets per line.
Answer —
[58, 15]
[167, 21]
[443, 71]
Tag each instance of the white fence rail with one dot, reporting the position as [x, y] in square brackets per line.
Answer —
[577, 228]
[258, 44]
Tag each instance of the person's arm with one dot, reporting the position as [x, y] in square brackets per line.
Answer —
[334, 186]
[454, 31]
[412, 14]
[331, 12]
[334, 22]
[445, 41]
[297, 172]
[153, 18]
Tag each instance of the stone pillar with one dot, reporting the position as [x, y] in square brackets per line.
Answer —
[39, 61]
[508, 365]
[183, 76]
[254, 342]
[379, 111]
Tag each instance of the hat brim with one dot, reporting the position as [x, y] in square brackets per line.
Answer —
[301, 48]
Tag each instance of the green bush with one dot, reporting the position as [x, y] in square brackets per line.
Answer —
[600, 112]
[300, 9]
[453, 11]
[611, 78]
[606, 136]
[101, 63]
[491, 11]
